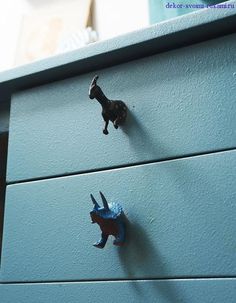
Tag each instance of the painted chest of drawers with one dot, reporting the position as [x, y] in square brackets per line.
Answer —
[172, 166]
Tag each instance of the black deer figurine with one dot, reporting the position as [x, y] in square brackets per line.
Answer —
[112, 110]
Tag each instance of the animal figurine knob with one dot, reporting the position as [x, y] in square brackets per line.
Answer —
[112, 110]
[111, 222]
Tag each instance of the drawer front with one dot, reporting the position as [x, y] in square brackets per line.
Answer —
[182, 291]
[180, 103]
[181, 223]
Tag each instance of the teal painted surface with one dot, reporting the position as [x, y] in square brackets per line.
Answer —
[181, 223]
[181, 102]
[182, 291]
[160, 10]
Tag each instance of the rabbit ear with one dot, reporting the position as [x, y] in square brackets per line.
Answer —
[104, 201]
[96, 205]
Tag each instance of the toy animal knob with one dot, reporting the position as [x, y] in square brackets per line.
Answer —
[111, 221]
[112, 110]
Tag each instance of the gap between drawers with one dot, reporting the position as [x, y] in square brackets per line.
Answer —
[181, 278]
[122, 166]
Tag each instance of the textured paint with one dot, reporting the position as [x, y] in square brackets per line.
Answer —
[181, 102]
[180, 223]
[180, 213]
[182, 291]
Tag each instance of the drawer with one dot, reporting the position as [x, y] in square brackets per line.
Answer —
[181, 102]
[176, 291]
[181, 223]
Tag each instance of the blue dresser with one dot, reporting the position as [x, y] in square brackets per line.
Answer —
[172, 166]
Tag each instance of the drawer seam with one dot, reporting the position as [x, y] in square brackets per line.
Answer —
[181, 278]
[193, 155]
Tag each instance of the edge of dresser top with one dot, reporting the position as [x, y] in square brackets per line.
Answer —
[185, 30]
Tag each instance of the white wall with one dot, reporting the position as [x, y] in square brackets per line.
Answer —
[10, 20]
[116, 17]
[11, 13]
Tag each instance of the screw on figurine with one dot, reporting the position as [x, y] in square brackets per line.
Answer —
[109, 218]
[112, 110]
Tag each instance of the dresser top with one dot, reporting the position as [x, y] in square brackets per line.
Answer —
[178, 32]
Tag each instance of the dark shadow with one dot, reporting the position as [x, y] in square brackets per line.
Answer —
[140, 139]
[139, 258]
[142, 142]
[3, 161]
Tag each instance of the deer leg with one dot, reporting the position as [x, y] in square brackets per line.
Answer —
[102, 242]
[105, 131]
[120, 119]
[115, 123]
